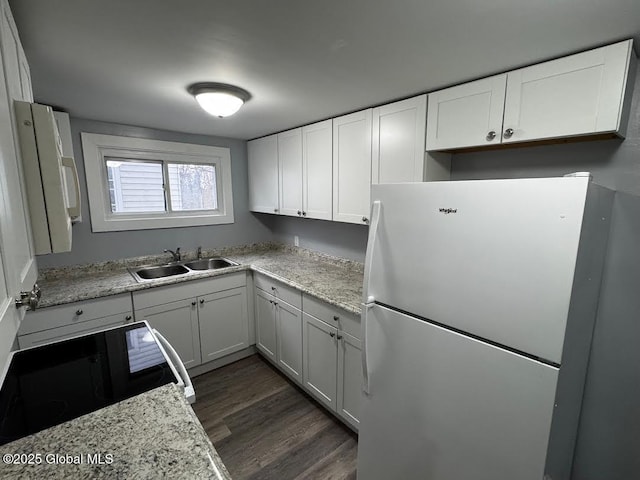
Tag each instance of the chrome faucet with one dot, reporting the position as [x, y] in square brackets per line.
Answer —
[176, 255]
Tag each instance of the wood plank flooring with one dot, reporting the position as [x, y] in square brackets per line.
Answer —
[264, 427]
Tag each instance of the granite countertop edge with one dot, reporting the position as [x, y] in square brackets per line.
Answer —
[168, 441]
[119, 280]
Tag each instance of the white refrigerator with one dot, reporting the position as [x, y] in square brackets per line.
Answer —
[479, 304]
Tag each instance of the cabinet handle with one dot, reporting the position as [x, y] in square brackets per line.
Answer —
[508, 133]
[491, 135]
[202, 301]
[304, 214]
[365, 219]
[339, 337]
[128, 317]
[336, 318]
[193, 303]
[299, 212]
[331, 334]
[79, 312]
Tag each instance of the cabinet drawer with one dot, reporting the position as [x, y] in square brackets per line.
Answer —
[60, 333]
[345, 321]
[75, 313]
[195, 288]
[281, 291]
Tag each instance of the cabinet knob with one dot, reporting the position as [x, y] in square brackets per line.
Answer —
[331, 334]
[339, 337]
[193, 303]
[128, 317]
[508, 133]
[299, 212]
[365, 219]
[275, 210]
[491, 135]
[271, 302]
[79, 312]
[201, 301]
[336, 318]
[304, 214]
[273, 288]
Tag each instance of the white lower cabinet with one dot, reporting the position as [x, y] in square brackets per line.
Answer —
[178, 323]
[64, 321]
[349, 378]
[279, 329]
[320, 360]
[224, 323]
[265, 324]
[203, 320]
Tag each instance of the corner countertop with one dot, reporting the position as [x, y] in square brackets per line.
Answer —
[330, 279]
[152, 435]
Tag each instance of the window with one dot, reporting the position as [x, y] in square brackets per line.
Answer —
[137, 183]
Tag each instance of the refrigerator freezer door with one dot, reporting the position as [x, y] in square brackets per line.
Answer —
[443, 406]
[494, 258]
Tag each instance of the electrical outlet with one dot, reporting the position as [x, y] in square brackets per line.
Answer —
[296, 241]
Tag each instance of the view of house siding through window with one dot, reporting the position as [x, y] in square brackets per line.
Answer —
[137, 186]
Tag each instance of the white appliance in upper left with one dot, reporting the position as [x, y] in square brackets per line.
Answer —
[44, 166]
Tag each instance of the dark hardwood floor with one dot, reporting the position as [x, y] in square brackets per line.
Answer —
[264, 427]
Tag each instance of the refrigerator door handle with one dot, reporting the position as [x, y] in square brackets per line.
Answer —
[365, 366]
[371, 245]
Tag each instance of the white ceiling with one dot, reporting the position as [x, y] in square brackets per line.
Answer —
[129, 61]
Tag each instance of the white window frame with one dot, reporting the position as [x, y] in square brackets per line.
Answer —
[96, 147]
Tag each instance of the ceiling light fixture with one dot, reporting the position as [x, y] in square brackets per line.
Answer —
[219, 99]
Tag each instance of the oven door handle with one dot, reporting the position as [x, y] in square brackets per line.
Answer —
[189, 391]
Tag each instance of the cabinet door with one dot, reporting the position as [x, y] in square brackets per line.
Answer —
[178, 323]
[466, 115]
[398, 141]
[21, 254]
[61, 333]
[352, 167]
[317, 170]
[349, 378]
[290, 340]
[320, 360]
[263, 174]
[265, 324]
[224, 323]
[290, 169]
[576, 95]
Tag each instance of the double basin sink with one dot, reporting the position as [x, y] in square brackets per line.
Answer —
[154, 272]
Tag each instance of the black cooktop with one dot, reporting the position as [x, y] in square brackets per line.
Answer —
[54, 383]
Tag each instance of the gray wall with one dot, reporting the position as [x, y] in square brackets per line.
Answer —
[609, 437]
[93, 247]
[345, 240]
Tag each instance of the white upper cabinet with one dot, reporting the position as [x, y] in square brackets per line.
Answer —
[290, 169]
[398, 142]
[577, 95]
[18, 269]
[352, 167]
[587, 93]
[263, 174]
[317, 167]
[466, 115]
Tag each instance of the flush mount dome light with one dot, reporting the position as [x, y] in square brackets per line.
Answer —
[219, 99]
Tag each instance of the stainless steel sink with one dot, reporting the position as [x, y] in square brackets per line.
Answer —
[161, 271]
[154, 272]
[209, 264]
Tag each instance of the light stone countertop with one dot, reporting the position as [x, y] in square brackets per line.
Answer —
[330, 279]
[152, 435]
